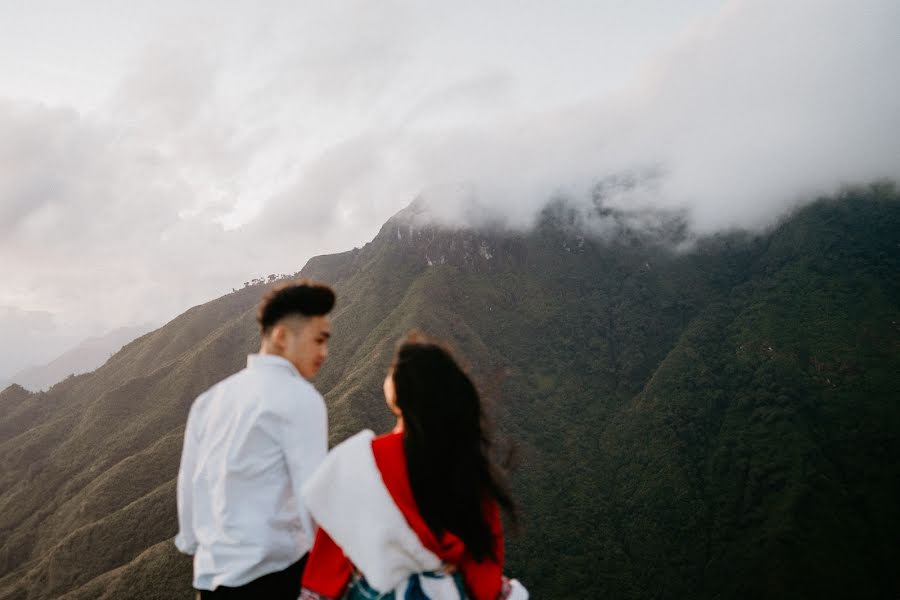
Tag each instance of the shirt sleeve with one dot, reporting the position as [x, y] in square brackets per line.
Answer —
[185, 541]
[304, 440]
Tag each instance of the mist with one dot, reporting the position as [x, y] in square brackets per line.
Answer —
[206, 153]
[754, 112]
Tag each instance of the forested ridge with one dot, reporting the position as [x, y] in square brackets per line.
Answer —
[721, 420]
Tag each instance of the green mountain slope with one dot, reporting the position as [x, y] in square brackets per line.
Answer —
[720, 422]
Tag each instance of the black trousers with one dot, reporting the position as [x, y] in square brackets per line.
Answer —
[282, 585]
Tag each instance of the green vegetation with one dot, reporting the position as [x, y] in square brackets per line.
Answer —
[722, 422]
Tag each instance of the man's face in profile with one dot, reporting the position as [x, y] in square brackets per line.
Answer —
[304, 342]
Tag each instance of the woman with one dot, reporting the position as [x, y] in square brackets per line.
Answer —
[415, 513]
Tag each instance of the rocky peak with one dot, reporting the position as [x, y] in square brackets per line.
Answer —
[11, 396]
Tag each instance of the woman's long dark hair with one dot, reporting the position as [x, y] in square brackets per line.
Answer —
[447, 445]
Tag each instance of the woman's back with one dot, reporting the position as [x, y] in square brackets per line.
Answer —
[417, 510]
[370, 524]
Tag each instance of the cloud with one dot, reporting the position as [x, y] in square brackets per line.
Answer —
[93, 225]
[767, 105]
[755, 110]
[236, 151]
[20, 329]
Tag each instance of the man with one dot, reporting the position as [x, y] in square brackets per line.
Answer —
[250, 443]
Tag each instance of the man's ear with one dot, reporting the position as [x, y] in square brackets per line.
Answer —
[276, 337]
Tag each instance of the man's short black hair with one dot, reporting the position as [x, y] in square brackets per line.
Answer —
[301, 297]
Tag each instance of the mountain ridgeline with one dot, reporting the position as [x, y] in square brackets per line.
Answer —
[86, 356]
[718, 422]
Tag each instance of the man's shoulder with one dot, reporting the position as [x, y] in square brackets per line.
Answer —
[220, 387]
[287, 392]
[276, 391]
[236, 378]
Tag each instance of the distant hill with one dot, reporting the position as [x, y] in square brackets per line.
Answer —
[722, 422]
[86, 356]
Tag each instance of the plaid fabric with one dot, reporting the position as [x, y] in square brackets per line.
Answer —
[360, 589]
[305, 594]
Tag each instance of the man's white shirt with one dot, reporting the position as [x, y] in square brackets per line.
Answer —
[251, 442]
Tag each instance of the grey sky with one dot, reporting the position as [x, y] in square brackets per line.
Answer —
[154, 156]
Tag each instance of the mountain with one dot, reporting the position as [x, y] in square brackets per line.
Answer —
[720, 421]
[86, 356]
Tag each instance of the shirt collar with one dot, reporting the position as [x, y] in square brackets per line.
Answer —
[259, 361]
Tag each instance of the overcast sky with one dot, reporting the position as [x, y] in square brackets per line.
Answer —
[154, 155]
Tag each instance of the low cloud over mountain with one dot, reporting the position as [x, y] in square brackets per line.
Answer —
[753, 111]
[246, 150]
